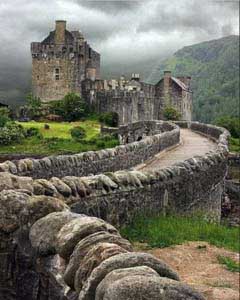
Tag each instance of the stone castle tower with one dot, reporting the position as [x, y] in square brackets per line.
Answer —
[61, 62]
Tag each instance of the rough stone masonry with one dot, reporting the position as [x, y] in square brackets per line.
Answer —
[64, 62]
[50, 252]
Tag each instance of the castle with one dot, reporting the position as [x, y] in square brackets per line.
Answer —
[64, 62]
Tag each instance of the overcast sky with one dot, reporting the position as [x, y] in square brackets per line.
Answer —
[132, 36]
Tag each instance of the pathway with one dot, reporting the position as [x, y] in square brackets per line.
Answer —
[191, 144]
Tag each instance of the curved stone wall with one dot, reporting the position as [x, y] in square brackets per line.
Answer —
[50, 253]
[162, 136]
[195, 185]
[50, 250]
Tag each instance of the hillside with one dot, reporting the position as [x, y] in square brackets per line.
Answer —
[214, 67]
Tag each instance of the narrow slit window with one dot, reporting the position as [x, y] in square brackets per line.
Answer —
[57, 74]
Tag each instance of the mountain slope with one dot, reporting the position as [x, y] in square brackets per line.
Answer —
[214, 67]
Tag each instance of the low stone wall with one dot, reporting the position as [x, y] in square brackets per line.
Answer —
[195, 185]
[139, 130]
[49, 253]
[108, 160]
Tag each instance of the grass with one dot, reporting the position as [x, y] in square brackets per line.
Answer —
[229, 263]
[163, 232]
[57, 139]
[234, 145]
[62, 130]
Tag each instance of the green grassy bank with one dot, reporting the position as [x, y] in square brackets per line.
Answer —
[172, 230]
[57, 139]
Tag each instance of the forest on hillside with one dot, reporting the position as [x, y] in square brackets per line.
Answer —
[214, 68]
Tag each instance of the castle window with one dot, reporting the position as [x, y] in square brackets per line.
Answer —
[90, 53]
[57, 72]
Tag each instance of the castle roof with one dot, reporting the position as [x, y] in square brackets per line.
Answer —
[180, 83]
[69, 38]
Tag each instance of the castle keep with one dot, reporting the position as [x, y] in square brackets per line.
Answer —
[61, 62]
[64, 62]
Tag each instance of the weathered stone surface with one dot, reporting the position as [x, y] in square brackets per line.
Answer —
[40, 206]
[61, 187]
[18, 208]
[10, 181]
[85, 245]
[93, 258]
[119, 261]
[146, 287]
[78, 229]
[44, 187]
[43, 233]
[12, 204]
[118, 274]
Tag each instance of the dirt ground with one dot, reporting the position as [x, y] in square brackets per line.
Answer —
[197, 265]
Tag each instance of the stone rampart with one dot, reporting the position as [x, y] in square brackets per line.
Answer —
[162, 135]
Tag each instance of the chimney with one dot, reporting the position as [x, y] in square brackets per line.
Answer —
[167, 77]
[60, 32]
[188, 81]
[135, 76]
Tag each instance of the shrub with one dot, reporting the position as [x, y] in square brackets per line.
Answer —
[4, 116]
[170, 113]
[46, 126]
[231, 124]
[78, 133]
[3, 120]
[32, 131]
[11, 133]
[110, 119]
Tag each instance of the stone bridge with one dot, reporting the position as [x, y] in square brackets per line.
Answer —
[191, 144]
[55, 213]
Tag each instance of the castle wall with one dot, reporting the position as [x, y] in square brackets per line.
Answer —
[44, 84]
[169, 93]
[131, 106]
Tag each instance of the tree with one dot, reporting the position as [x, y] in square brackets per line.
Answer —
[4, 116]
[170, 113]
[231, 124]
[34, 106]
[109, 118]
[71, 108]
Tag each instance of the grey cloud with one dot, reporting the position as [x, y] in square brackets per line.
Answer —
[202, 17]
[110, 6]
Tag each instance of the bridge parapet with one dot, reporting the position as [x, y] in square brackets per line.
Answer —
[55, 263]
[160, 135]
